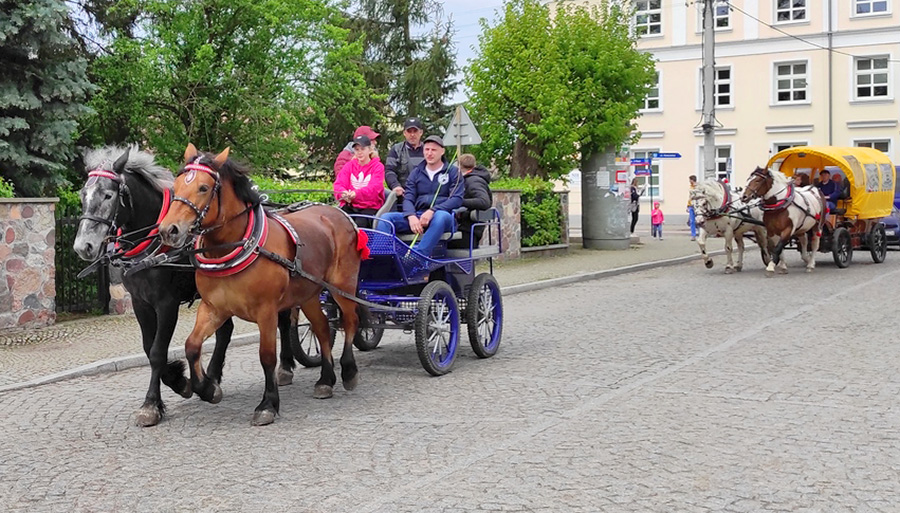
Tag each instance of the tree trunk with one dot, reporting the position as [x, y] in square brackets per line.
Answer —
[524, 162]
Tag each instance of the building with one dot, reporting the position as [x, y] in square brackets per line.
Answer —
[788, 73]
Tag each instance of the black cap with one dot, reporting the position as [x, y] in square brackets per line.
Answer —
[362, 140]
[412, 122]
[435, 139]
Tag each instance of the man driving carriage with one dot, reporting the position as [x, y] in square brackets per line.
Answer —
[433, 190]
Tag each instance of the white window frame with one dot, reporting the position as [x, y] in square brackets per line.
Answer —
[718, 6]
[721, 162]
[643, 153]
[785, 145]
[856, 74]
[716, 83]
[658, 96]
[854, 8]
[776, 77]
[649, 12]
[871, 141]
[791, 9]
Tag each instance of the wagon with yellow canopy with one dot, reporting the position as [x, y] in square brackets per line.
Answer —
[864, 200]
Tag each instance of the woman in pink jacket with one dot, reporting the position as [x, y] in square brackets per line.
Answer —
[359, 186]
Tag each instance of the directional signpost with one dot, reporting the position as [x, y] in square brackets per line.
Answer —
[649, 168]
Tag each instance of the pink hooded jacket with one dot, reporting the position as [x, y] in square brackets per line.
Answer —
[367, 181]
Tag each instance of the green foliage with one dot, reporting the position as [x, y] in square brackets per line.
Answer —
[69, 202]
[541, 210]
[262, 76]
[43, 88]
[6, 189]
[301, 190]
[548, 89]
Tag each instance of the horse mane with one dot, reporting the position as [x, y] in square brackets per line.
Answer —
[715, 195]
[237, 173]
[139, 163]
[778, 178]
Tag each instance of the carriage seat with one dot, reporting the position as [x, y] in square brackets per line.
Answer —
[390, 199]
[842, 206]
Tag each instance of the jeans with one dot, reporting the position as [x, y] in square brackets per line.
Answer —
[441, 222]
[656, 230]
[692, 219]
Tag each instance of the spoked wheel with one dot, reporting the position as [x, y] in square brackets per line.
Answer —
[841, 248]
[304, 344]
[367, 339]
[878, 243]
[484, 315]
[437, 328]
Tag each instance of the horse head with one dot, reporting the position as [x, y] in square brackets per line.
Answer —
[758, 185]
[102, 197]
[207, 189]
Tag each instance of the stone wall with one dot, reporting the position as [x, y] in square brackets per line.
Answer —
[27, 262]
[509, 203]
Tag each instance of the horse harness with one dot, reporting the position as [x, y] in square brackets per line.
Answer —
[789, 200]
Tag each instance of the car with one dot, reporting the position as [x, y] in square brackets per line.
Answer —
[892, 222]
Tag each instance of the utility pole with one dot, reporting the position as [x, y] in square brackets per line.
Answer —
[709, 89]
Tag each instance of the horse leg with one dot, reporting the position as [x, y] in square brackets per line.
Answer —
[349, 370]
[285, 373]
[803, 243]
[217, 361]
[740, 256]
[729, 249]
[318, 323]
[153, 408]
[813, 249]
[268, 407]
[701, 241]
[207, 322]
[763, 246]
[775, 247]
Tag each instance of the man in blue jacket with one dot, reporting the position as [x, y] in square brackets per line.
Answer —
[434, 188]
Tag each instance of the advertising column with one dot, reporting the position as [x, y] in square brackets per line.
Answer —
[605, 215]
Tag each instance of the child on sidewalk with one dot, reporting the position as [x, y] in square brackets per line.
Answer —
[657, 219]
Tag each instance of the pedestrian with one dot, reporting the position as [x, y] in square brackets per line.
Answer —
[347, 153]
[657, 218]
[692, 218]
[635, 202]
[476, 196]
[403, 158]
[434, 189]
[359, 186]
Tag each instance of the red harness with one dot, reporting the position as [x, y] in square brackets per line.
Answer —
[153, 233]
[782, 203]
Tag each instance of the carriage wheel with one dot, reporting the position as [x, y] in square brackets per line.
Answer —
[305, 346]
[484, 315]
[878, 243]
[367, 339]
[437, 328]
[841, 247]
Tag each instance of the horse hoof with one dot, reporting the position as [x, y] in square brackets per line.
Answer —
[729, 270]
[351, 384]
[809, 269]
[263, 418]
[782, 271]
[217, 394]
[738, 268]
[147, 416]
[323, 392]
[186, 391]
[769, 273]
[709, 264]
[284, 377]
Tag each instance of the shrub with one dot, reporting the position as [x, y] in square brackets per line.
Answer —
[300, 190]
[6, 189]
[541, 211]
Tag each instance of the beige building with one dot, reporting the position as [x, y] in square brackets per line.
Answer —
[788, 72]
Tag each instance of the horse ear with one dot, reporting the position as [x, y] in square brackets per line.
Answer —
[222, 157]
[189, 153]
[119, 164]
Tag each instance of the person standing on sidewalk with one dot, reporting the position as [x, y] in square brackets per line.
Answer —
[635, 205]
[692, 218]
[657, 218]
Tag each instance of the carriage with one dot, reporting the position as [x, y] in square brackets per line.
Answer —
[855, 223]
[430, 297]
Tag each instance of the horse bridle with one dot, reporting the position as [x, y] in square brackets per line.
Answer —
[761, 173]
[123, 192]
[194, 167]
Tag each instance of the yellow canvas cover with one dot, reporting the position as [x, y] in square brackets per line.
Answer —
[870, 171]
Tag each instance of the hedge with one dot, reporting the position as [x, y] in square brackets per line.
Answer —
[541, 210]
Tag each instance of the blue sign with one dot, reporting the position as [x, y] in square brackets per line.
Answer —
[640, 162]
[672, 155]
[643, 172]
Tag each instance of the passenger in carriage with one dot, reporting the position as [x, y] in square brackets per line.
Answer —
[477, 196]
[828, 188]
[359, 187]
[434, 189]
[801, 179]
[842, 186]
[403, 157]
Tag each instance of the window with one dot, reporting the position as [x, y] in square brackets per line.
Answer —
[790, 10]
[790, 82]
[654, 188]
[723, 163]
[871, 7]
[648, 17]
[723, 87]
[871, 77]
[721, 16]
[651, 102]
[785, 145]
[879, 144]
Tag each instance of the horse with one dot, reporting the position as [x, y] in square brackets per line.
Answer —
[787, 212]
[252, 263]
[719, 213]
[127, 191]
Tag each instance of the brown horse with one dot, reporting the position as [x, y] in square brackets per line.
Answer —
[787, 212]
[248, 268]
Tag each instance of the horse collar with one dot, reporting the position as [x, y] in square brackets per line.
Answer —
[780, 204]
[246, 252]
[152, 244]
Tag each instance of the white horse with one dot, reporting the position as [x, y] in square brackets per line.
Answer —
[718, 213]
[787, 212]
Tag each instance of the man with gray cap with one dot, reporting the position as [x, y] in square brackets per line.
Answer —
[433, 190]
[404, 156]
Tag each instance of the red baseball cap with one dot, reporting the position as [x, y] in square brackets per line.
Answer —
[366, 131]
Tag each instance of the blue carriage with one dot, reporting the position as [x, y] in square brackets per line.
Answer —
[429, 296]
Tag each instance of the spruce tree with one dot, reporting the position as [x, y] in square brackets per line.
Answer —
[43, 88]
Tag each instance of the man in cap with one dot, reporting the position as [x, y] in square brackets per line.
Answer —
[347, 153]
[434, 188]
[404, 157]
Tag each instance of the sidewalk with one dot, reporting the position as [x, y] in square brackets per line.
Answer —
[111, 343]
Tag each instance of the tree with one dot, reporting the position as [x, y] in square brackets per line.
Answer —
[262, 76]
[548, 89]
[43, 90]
[414, 73]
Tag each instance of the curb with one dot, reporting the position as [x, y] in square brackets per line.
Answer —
[139, 360]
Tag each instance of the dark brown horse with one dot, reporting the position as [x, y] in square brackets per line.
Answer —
[787, 212]
[246, 270]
